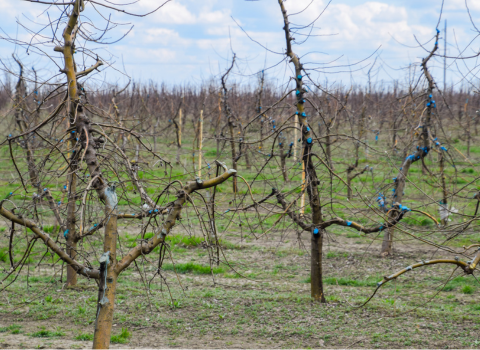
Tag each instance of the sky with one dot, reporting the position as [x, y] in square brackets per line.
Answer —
[190, 41]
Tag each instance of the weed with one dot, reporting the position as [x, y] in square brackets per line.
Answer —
[332, 255]
[121, 338]
[13, 328]
[84, 337]
[193, 268]
[43, 333]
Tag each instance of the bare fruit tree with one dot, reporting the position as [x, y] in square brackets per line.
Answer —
[98, 174]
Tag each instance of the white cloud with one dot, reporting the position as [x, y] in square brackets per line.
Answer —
[460, 5]
[164, 37]
[172, 12]
[369, 24]
[192, 32]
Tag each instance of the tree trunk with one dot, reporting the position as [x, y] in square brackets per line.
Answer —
[71, 233]
[444, 185]
[108, 284]
[316, 267]
[349, 186]
[282, 162]
[387, 244]
[72, 252]
[247, 158]
[328, 150]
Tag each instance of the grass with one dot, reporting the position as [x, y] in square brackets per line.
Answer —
[272, 307]
[84, 337]
[45, 333]
[13, 328]
[193, 268]
[121, 338]
[243, 311]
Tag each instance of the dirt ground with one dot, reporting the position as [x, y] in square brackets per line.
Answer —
[269, 307]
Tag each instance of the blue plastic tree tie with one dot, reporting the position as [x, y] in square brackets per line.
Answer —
[226, 211]
[308, 129]
[309, 140]
[299, 77]
[315, 231]
[304, 114]
[65, 234]
[349, 223]
[298, 92]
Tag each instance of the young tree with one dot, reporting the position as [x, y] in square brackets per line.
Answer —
[103, 170]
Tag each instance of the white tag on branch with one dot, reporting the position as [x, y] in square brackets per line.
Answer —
[146, 207]
[445, 212]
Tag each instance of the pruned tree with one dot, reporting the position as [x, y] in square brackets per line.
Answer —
[94, 176]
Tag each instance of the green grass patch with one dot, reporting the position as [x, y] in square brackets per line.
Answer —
[121, 338]
[84, 337]
[191, 267]
[13, 328]
[44, 333]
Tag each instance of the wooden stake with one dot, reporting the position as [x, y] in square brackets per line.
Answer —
[200, 145]
[295, 139]
[180, 127]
